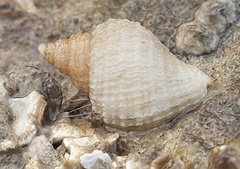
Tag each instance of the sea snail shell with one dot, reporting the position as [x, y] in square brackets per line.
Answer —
[132, 78]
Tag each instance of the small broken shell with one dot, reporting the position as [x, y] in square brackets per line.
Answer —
[217, 14]
[29, 113]
[78, 138]
[97, 159]
[28, 79]
[202, 35]
[134, 81]
[196, 38]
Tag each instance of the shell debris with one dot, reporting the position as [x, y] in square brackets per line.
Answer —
[29, 113]
[27, 79]
[78, 138]
[97, 159]
[41, 154]
[202, 35]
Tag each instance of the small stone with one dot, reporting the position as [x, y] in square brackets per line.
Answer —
[217, 14]
[41, 154]
[160, 161]
[96, 160]
[226, 156]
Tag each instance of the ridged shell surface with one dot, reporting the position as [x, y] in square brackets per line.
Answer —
[71, 57]
[135, 82]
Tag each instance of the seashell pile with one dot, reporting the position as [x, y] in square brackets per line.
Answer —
[202, 35]
[78, 138]
[133, 80]
[28, 97]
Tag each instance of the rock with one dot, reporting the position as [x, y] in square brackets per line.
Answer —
[41, 154]
[226, 156]
[202, 35]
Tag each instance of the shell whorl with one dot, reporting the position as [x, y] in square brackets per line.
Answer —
[135, 82]
[71, 57]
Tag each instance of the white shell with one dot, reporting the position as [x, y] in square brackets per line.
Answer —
[97, 159]
[29, 114]
[135, 80]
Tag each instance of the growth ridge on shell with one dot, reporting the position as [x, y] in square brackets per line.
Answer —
[132, 79]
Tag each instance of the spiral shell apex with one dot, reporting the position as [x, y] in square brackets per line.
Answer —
[71, 57]
[134, 81]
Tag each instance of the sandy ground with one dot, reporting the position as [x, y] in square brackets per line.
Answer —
[192, 136]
